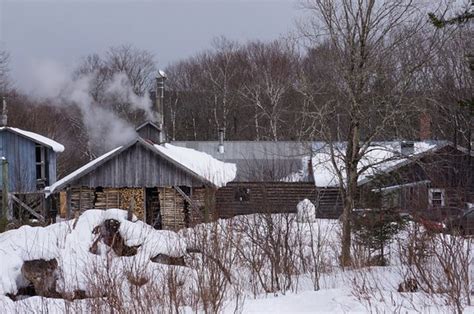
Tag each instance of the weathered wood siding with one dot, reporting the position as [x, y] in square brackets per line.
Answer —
[52, 159]
[329, 203]
[149, 132]
[275, 197]
[20, 153]
[448, 169]
[136, 167]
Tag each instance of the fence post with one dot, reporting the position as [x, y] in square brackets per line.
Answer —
[4, 213]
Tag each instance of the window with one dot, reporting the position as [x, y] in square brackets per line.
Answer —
[41, 164]
[436, 197]
[242, 194]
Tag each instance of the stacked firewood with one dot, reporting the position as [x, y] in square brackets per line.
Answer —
[172, 209]
[108, 198]
[138, 194]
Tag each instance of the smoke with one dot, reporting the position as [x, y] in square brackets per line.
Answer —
[52, 82]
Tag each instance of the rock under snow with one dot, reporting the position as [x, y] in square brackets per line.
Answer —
[68, 244]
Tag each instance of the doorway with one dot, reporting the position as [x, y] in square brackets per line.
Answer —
[152, 208]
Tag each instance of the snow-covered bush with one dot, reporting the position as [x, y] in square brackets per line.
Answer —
[306, 211]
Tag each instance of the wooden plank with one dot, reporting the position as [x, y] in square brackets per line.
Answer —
[194, 206]
[27, 208]
[62, 204]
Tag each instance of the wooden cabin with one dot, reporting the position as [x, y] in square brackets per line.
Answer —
[442, 177]
[31, 159]
[163, 184]
[272, 176]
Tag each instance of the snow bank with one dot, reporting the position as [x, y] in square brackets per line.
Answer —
[59, 148]
[69, 242]
[206, 166]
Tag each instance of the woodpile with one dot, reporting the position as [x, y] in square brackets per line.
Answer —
[138, 194]
[173, 209]
[82, 198]
[62, 204]
[107, 198]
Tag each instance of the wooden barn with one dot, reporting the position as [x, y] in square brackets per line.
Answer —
[167, 186]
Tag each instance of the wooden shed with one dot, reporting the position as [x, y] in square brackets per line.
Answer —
[156, 180]
[31, 159]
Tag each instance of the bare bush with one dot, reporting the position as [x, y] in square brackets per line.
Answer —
[439, 265]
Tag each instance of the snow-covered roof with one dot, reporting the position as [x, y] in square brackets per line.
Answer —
[198, 164]
[50, 189]
[59, 148]
[379, 157]
[206, 166]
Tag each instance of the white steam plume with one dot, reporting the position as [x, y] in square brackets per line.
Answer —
[52, 82]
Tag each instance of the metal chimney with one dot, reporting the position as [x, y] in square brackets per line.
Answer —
[159, 97]
[4, 119]
[220, 148]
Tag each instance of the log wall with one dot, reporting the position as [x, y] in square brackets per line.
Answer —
[242, 198]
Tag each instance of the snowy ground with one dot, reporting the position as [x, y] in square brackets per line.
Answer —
[242, 280]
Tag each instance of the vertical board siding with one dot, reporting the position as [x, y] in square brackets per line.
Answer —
[136, 167]
[149, 132]
[20, 153]
[52, 166]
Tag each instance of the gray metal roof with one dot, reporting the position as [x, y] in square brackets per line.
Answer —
[258, 160]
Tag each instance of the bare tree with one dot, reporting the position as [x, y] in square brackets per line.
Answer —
[452, 82]
[134, 65]
[373, 84]
[96, 67]
[139, 66]
[270, 74]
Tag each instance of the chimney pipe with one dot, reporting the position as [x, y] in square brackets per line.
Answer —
[220, 148]
[159, 103]
[4, 113]
[159, 97]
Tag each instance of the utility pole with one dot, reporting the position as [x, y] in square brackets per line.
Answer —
[4, 215]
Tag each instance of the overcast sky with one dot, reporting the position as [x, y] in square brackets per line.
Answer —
[63, 31]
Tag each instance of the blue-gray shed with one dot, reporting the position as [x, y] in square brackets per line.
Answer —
[31, 159]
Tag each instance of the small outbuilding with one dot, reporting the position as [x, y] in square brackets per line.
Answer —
[167, 186]
[31, 159]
